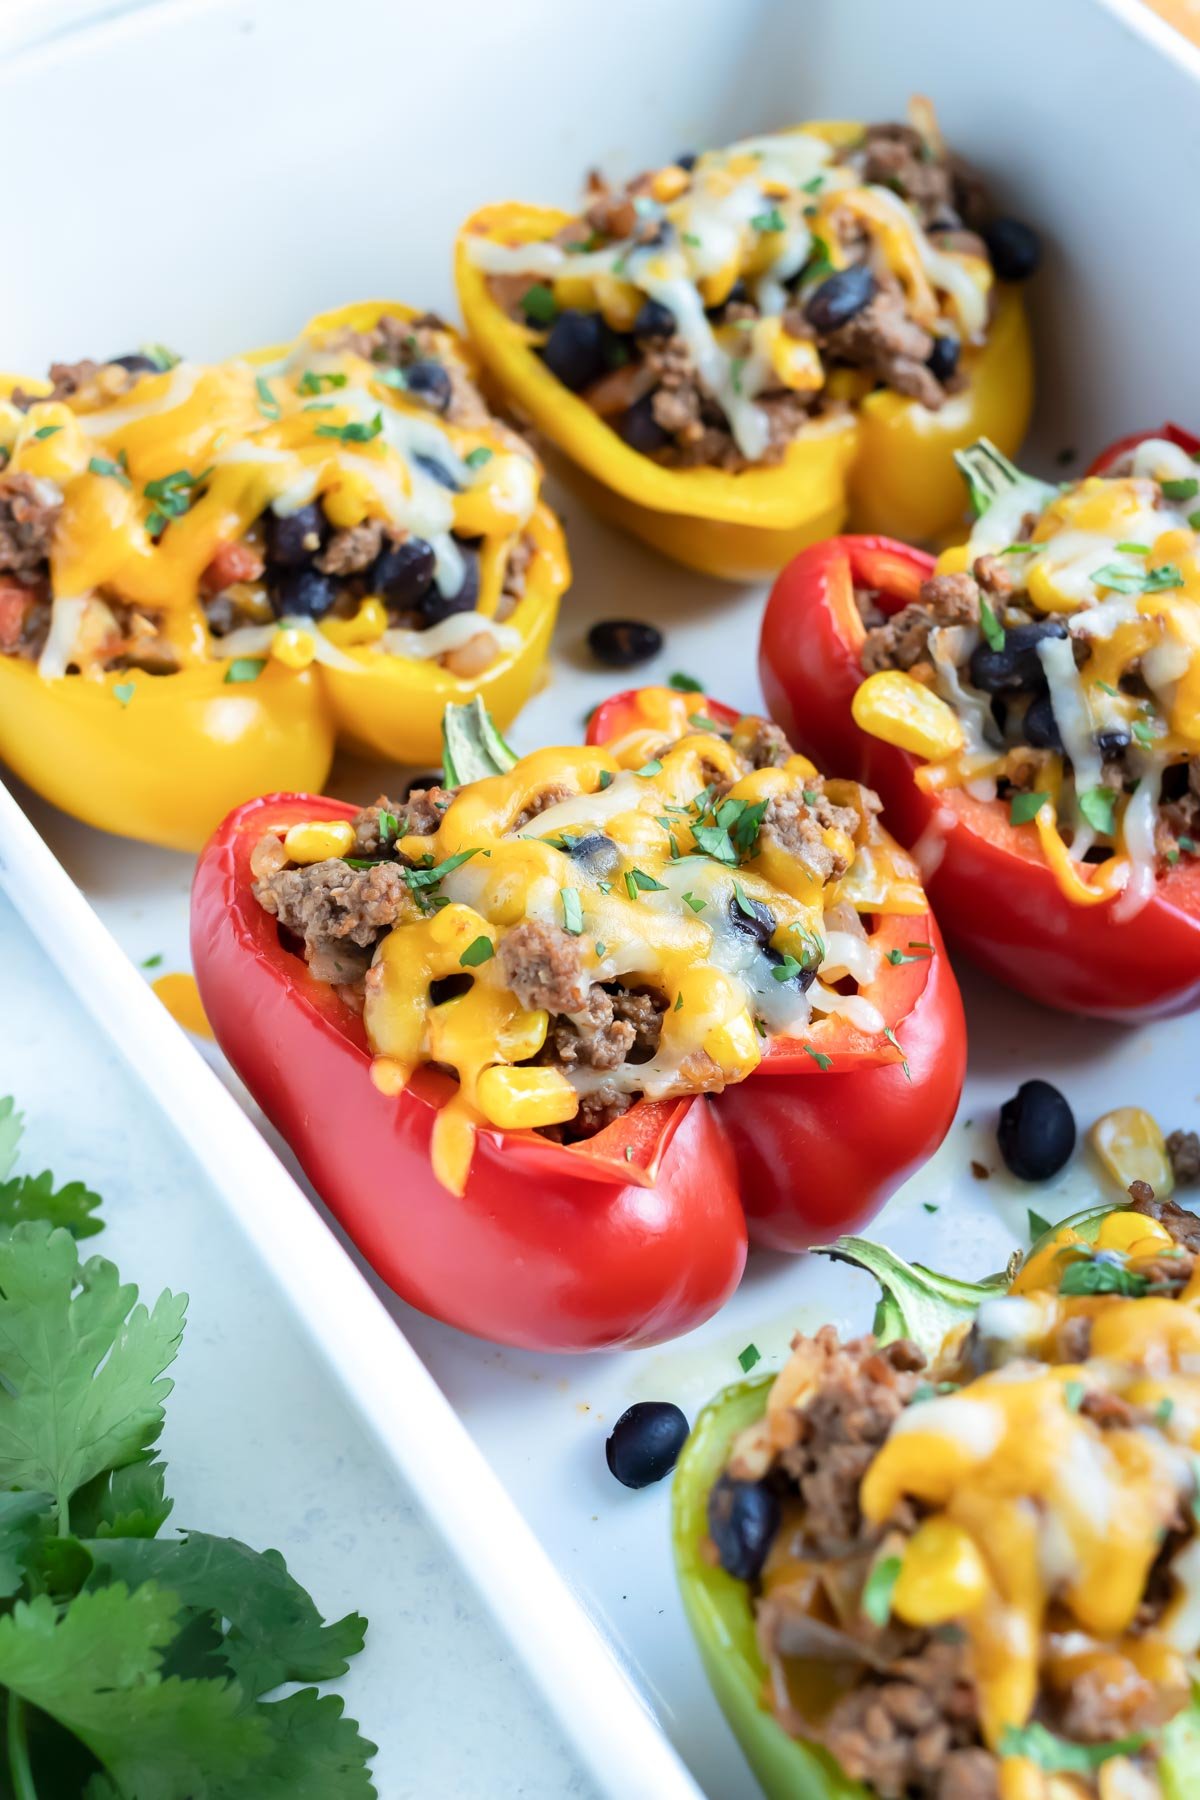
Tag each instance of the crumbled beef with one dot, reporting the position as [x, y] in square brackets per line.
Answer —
[1111, 1700]
[1183, 1226]
[860, 1390]
[398, 343]
[549, 796]
[897, 157]
[797, 821]
[419, 815]
[339, 912]
[902, 641]
[900, 1732]
[543, 966]
[1169, 1273]
[994, 575]
[883, 339]
[611, 211]
[866, 601]
[29, 514]
[762, 744]
[600, 1108]
[1073, 1339]
[516, 568]
[351, 551]
[969, 1775]
[1109, 1411]
[614, 1026]
[1183, 1148]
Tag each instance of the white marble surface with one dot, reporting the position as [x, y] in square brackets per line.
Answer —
[258, 1440]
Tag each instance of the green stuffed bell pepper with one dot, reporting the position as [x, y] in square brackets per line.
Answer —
[960, 1559]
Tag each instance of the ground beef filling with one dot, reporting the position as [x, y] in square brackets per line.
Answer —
[1018, 692]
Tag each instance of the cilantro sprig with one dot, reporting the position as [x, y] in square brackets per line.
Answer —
[144, 1659]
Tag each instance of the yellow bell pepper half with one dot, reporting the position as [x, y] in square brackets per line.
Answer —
[164, 757]
[884, 465]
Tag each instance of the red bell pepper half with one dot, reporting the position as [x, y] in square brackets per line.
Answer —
[630, 1237]
[987, 878]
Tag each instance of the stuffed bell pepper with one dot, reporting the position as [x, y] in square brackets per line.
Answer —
[1029, 709]
[958, 1559]
[736, 352]
[505, 1023]
[209, 573]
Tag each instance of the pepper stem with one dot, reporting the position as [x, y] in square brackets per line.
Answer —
[19, 1766]
[916, 1302]
[472, 748]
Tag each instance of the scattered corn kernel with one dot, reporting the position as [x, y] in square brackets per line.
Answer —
[1131, 1148]
[942, 1576]
[316, 842]
[619, 301]
[369, 623]
[669, 183]
[519, 1099]
[893, 706]
[293, 647]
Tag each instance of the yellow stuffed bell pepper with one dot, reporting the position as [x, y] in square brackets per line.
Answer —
[741, 353]
[211, 574]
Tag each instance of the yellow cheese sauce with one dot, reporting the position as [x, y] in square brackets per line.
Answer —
[1115, 559]
[159, 474]
[655, 863]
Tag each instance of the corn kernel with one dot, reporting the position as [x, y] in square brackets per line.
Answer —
[1131, 1148]
[895, 707]
[954, 560]
[522, 1035]
[519, 1099]
[1123, 1230]
[796, 361]
[717, 287]
[942, 1576]
[574, 293]
[669, 183]
[619, 301]
[735, 1046]
[317, 842]
[293, 647]
[369, 623]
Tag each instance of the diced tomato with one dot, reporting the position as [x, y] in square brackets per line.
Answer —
[232, 562]
[15, 602]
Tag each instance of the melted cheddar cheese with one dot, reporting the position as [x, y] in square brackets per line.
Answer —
[1116, 559]
[655, 858]
[763, 211]
[159, 475]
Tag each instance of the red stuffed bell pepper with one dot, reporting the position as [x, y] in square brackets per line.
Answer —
[537, 929]
[1028, 707]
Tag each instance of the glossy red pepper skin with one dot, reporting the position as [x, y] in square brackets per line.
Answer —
[986, 878]
[551, 1247]
[820, 1148]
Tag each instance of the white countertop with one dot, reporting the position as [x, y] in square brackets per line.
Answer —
[259, 1442]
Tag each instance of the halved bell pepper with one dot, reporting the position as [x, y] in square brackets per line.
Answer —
[163, 757]
[843, 1106]
[883, 463]
[923, 1306]
[988, 879]
[631, 1236]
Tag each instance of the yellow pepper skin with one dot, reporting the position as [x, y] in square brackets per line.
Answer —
[163, 758]
[162, 763]
[882, 466]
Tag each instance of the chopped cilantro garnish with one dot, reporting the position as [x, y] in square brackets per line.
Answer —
[685, 684]
[100, 465]
[771, 220]
[629, 1153]
[715, 843]
[822, 1061]
[1073, 1393]
[990, 625]
[1139, 581]
[1194, 520]
[311, 382]
[892, 1039]
[748, 1357]
[1019, 549]
[268, 405]
[1026, 807]
[538, 303]
[1038, 1227]
[572, 911]
[735, 373]
[600, 950]
[695, 904]
[1188, 844]
[636, 879]
[678, 1007]
[649, 769]
[172, 495]
[476, 458]
[1142, 732]
[429, 877]
[814, 186]
[1105, 688]
[1135, 549]
[930, 1206]
[152, 962]
[46, 431]
[788, 969]
[124, 692]
[389, 827]
[1163, 1411]
[1087, 1277]
[702, 722]
[1096, 805]
[690, 238]
[877, 1592]
[1041, 1746]
[896, 957]
[1187, 489]
[479, 950]
[354, 433]
[606, 779]
[743, 905]
[244, 668]
[819, 263]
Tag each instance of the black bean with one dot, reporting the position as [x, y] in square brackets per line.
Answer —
[436, 471]
[293, 539]
[1041, 727]
[430, 383]
[436, 606]
[403, 572]
[574, 350]
[595, 853]
[943, 358]
[640, 429]
[743, 1517]
[623, 643]
[839, 297]
[136, 363]
[1114, 742]
[760, 927]
[654, 320]
[1016, 665]
[1015, 248]
[645, 1442]
[1036, 1133]
[687, 160]
[303, 593]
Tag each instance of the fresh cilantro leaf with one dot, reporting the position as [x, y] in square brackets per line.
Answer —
[311, 382]
[822, 1061]
[1096, 804]
[990, 625]
[475, 459]
[1087, 1277]
[1039, 1745]
[647, 770]
[572, 911]
[46, 431]
[1038, 1227]
[695, 904]
[35, 1197]
[685, 684]
[172, 495]
[317, 1753]
[244, 668]
[748, 1357]
[538, 303]
[788, 969]
[22, 1518]
[1187, 489]
[12, 1125]
[427, 878]
[877, 1593]
[275, 1632]
[1138, 581]
[81, 1364]
[101, 465]
[716, 843]
[356, 432]
[1025, 807]
[636, 879]
[743, 905]
[268, 405]
[127, 1503]
[771, 220]
[479, 950]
